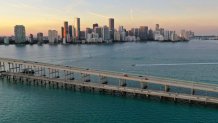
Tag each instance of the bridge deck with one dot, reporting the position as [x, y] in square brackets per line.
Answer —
[203, 99]
[131, 77]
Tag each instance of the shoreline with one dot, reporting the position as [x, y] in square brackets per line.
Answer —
[91, 43]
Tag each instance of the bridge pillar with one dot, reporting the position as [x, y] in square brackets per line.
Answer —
[68, 75]
[85, 77]
[53, 73]
[3, 66]
[9, 66]
[20, 67]
[49, 73]
[122, 82]
[167, 88]
[103, 80]
[56, 73]
[44, 72]
[15, 67]
[192, 91]
[60, 85]
[144, 85]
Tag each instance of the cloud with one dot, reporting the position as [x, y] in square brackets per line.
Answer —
[98, 15]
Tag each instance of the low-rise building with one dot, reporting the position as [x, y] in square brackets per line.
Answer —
[6, 40]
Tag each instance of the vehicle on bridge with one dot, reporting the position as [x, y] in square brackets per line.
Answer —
[28, 71]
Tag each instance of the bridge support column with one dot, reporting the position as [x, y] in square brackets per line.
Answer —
[43, 72]
[192, 92]
[122, 83]
[175, 99]
[123, 93]
[50, 74]
[144, 85]
[68, 75]
[60, 85]
[2, 67]
[167, 88]
[85, 77]
[103, 80]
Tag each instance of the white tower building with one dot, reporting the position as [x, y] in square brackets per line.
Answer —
[52, 36]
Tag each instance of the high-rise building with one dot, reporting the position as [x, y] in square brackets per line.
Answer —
[98, 30]
[117, 36]
[95, 25]
[143, 33]
[186, 35]
[111, 28]
[20, 34]
[157, 28]
[167, 35]
[82, 35]
[62, 33]
[52, 36]
[123, 36]
[158, 36]
[162, 31]
[40, 37]
[6, 40]
[31, 40]
[135, 32]
[121, 29]
[66, 31]
[70, 33]
[150, 35]
[130, 33]
[105, 33]
[88, 31]
[77, 28]
[173, 36]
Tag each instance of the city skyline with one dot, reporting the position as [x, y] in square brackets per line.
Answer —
[196, 15]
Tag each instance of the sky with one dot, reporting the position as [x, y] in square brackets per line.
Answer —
[42, 15]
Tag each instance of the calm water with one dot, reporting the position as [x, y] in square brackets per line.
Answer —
[196, 61]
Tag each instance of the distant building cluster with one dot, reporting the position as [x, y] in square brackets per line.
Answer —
[97, 34]
[160, 34]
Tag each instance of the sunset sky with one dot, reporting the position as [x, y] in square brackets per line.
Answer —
[41, 15]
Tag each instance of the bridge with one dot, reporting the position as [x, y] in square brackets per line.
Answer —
[60, 76]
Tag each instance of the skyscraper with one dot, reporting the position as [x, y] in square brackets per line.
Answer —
[20, 34]
[157, 28]
[77, 28]
[162, 31]
[82, 35]
[135, 32]
[105, 33]
[52, 36]
[121, 29]
[88, 31]
[95, 25]
[62, 33]
[70, 32]
[98, 30]
[65, 31]
[31, 38]
[40, 37]
[143, 33]
[150, 35]
[111, 28]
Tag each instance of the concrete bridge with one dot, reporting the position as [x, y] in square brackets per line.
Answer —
[60, 76]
